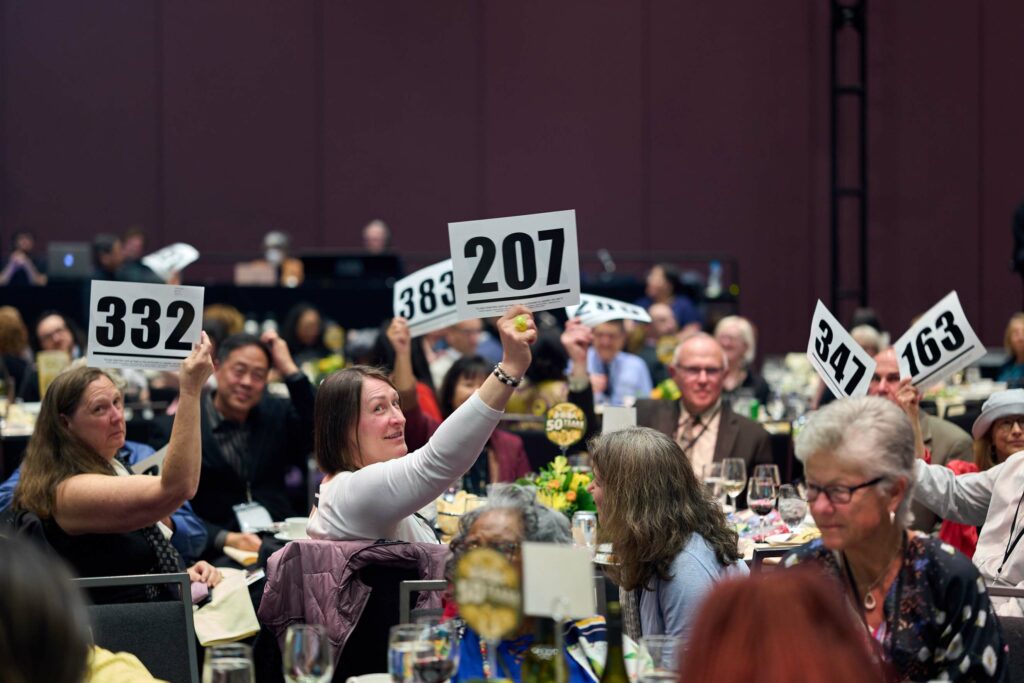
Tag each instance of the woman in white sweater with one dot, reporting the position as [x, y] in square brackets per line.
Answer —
[372, 488]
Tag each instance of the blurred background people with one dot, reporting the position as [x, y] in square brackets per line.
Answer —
[376, 237]
[738, 339]
[23, 267]
[1012, 370]
[664, 286]
[461, 339]
[303, 330]
[618, 378]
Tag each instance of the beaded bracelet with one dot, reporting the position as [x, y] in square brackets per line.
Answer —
[506, 378]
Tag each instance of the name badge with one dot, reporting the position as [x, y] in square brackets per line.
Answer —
[843, 365]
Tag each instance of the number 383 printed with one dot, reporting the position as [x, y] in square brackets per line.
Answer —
[423, 299]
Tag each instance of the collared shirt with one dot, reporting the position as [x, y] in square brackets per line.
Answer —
[628, 378]
[698, 434]
[232, 438]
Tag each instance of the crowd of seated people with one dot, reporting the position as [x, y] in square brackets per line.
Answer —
[391, 438]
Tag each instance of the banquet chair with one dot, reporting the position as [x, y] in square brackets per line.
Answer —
[161, 634]
[757, 561]
[406, 593]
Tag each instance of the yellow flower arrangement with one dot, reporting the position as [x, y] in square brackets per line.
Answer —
[561, 487]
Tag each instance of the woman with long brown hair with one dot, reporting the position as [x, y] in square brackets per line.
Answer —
[670, 537]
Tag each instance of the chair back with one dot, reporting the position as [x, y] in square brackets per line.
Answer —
[161, 634]
[407, 595]
[757, 562]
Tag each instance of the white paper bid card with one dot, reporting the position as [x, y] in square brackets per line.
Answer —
[531, 260]
[843, 365]
[426, 299]
[136, 325]
[940, 343]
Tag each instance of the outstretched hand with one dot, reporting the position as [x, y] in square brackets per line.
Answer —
[517, 330]
[197, 367]
[398, 335]
[576, 339]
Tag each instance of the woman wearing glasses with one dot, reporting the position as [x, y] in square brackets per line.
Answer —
[992, 497]
[923, 602]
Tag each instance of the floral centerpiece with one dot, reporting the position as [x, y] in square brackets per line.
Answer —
[317, 370]
[561, 487]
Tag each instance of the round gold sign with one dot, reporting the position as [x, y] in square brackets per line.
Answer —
[565, 424]
[487, 592]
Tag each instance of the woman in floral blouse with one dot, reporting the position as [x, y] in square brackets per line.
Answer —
[923, 602]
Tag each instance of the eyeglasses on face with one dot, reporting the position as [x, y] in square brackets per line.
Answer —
[1005, 424]
[836, 494]
[694, 371]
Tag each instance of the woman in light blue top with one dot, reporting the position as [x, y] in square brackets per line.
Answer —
[669, 536]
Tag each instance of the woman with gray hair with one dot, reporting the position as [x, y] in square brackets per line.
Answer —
[511, 516]
[738, 340]
[923, 602]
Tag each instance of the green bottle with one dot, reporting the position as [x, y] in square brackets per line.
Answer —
[544, 662]
[615, 664]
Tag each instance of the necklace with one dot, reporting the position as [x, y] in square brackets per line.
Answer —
[868, 600]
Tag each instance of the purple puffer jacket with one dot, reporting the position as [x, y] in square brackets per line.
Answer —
[315, 582]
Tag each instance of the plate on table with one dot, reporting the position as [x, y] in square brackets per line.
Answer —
[285, 536]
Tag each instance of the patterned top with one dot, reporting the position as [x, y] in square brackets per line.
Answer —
[945, 628]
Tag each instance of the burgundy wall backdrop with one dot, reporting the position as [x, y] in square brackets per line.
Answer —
[670, 126]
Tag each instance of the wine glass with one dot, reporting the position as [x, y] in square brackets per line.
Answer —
[761, 495]
[584, 530]
[403, 640]
[767, 472]
[659, 658]
[734, 477]
[436, 656]
[712, 476]
[230, 663]
[792, 506]
[307, 654]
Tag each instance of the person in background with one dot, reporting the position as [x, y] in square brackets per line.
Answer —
[777, 627]
[303, 332]
[276, 253]
[52, 332]
[376, 237]
[372, 488]
[671, 538]
[98, 516]
[511, 517]
[15, 354]
[110, 264]
[921, 600]
[250, 439]
[943, 441]
[23, 269]
[231, 317]
[663, 286]
[133, 244]
[1012, 371]
[618, 378]
[461, 339]
[738, 339]
[707, 430]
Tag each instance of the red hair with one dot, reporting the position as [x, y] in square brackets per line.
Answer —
[776, 627]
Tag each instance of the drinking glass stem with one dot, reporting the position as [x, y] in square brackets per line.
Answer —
[492, 656]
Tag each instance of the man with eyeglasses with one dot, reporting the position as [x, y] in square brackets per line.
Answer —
[943, 440]
[250, 438]
[617, 377]
[706, 428]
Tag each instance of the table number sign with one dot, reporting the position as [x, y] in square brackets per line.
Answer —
[938, 344]
[135, 325]
[426, 299]
[531, 260]
[594, 310]
[843, 365]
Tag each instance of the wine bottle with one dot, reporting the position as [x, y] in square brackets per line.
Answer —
[544, 662]
[615, 664]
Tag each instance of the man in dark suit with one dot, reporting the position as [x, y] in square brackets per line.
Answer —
[251, 439]
[705, 428]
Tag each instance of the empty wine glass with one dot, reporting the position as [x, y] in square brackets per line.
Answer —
[659, 658]
[307, 654]
[761, 495]
[734, 477]
[712, 476]
[792, 506]
[403, 640]
[230, 663]
[584, 530]
[436, 656]
[767, 472]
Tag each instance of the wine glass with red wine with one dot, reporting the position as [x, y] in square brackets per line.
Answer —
[761, 494]
[437, 653]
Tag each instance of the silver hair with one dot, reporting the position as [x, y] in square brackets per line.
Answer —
[540, 523]
[746, 333]
[870, 433]
[700, 335]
